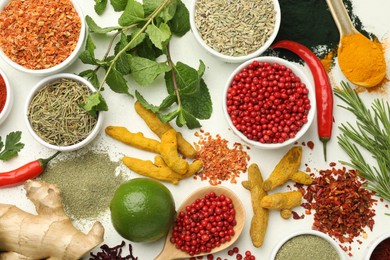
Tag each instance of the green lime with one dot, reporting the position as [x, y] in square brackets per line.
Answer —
[142, 210]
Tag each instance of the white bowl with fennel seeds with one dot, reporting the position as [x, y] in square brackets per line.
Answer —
[235, 30]
[54, 117]
[307, 245]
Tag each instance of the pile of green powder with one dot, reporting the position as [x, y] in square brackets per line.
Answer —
[87, 182]
[307, 247]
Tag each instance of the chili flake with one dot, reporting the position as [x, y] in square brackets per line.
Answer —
[39, 34]
[220, 163]
[343, 207]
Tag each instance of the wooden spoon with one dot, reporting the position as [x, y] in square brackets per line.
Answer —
[170, 252]
[346, 28]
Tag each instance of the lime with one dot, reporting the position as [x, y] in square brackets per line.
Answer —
[142, 210]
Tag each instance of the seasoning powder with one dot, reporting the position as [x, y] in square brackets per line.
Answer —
[87, 183]
[39, 34]
[3, 93]
[307, 247]
[235, 27]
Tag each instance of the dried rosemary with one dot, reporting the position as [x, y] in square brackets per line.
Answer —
[55, 115]
[235, 27]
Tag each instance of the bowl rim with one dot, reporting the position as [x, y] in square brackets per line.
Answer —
[371, 246]
[297, 71]
[9, 99]
[41, 84]
[64, 64]
[236, 59]
[277, 247]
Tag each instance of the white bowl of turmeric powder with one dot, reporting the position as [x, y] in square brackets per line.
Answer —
[41, 37]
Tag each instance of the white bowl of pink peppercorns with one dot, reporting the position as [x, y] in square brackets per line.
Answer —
[269, 102]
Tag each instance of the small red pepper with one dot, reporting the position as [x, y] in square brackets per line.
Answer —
[28, 171]
[324, 94]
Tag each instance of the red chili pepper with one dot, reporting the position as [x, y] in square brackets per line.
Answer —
[28, 171]
[324, 94]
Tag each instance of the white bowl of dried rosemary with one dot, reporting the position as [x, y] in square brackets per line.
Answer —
[53, 114]
[235, 31]
[41, 37]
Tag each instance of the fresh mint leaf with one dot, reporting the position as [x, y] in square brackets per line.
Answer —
[167, 102]
[119, 5]
[185, 118]
[180, 23]
[91, 76]
[123, 62]
[186, 78]
[145, 103]
[137, 41]
[201, 69]
[168, 12]
[88, 55]
[145, 71]
[117, 82]
[147, 50]
[199, 104]
[12, 146]
[133, 13]
[159, 35]
[94, 103]
[100, 6]
[168, 117]
[151, 5]
[94, 28]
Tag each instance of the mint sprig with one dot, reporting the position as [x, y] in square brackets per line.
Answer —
[140, 48]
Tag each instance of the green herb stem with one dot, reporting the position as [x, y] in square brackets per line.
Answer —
[171, 65]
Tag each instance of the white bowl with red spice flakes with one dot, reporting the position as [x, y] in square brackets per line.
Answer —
[41, 37]
[6, 97]
[269, 102]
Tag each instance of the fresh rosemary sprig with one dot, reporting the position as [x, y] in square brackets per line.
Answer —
[372, 132]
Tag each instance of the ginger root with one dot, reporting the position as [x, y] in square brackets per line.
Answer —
[169, 152]
[259, 220]
[287, 169]
[159, 128]
[48, 235]
[283, 201]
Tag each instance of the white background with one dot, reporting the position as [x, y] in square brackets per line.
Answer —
[375, 18]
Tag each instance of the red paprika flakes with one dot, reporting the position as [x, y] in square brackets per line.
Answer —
[39, 34]
[220, 163]
[343, 207]
[3, 93]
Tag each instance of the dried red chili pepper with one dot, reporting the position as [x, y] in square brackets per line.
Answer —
[324, 94]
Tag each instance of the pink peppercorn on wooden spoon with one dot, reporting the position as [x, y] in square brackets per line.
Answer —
[170, 252]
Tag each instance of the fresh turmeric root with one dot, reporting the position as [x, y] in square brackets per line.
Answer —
[168, 151]
[48, 235]
[259, 220]
[159, 128]
[287, 169]
[284, 201]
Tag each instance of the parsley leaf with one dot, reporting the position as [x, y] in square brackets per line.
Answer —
[12, 146]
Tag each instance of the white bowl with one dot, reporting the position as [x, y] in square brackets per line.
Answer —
[9, 99]
[374, 244]
[308, 232]
[311, 95]
[235, 59]
[61, 66]
[44, 82]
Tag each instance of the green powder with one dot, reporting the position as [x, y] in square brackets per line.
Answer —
[87, 181]
[307, 247]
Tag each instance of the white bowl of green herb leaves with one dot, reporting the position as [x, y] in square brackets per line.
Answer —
[53, 114]
[235, 31]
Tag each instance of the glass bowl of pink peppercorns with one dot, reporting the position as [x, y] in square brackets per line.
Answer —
[269, 102]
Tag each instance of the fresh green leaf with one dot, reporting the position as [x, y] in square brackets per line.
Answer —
[94, 103]
[145, 71]
[151, 5]
[186, 78]
[12, 146]
[100, 6]
[88, 55]
[123, 62]
[199, 104]
[167, 102]
[168, 12]
[201, 68]
[159, 35]
[94, 28]
[145, 103]
[148, 50]
[180, 23]
[117, 82]
[133, 13]
[91, 76]
[185, 118]
[119, 5]
[137, 40]
[168, 117]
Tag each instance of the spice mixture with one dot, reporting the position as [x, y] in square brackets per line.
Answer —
[55, 115]
[87, 183]
[307, 247]
[3, 93]
[381, 251]
[235, 27]
[220, 163]
[39, 34]
[343, 207]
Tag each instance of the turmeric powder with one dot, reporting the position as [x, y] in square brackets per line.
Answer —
[362, 61]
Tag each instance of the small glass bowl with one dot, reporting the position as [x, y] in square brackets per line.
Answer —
[235, 59]
[372, 246]
[9, 99]
[43, 83]
[61, 66]
[304, 79]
